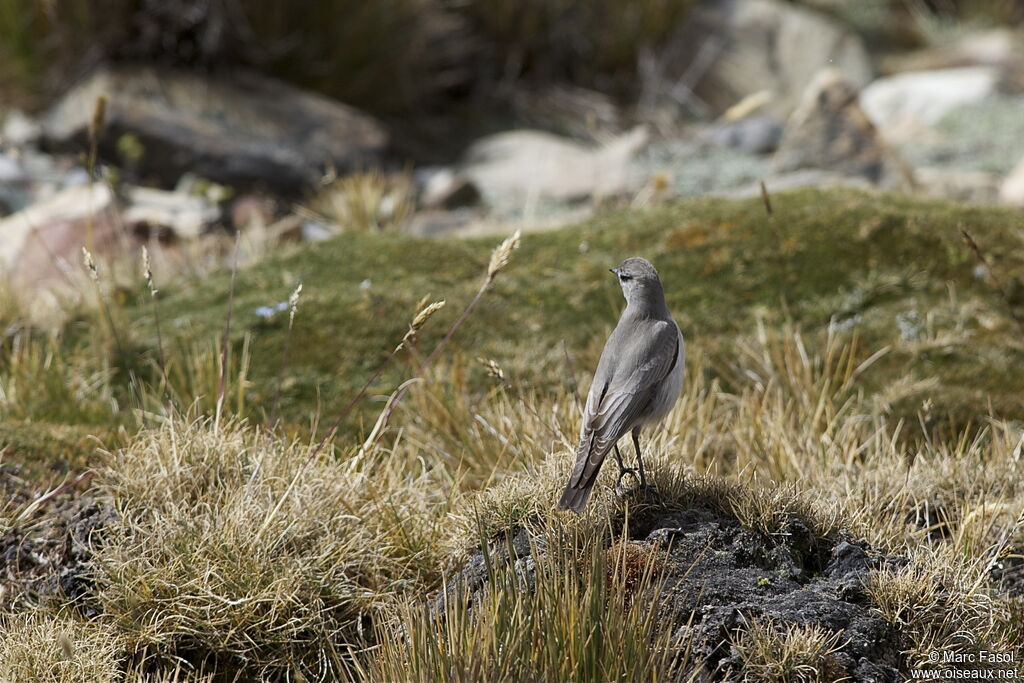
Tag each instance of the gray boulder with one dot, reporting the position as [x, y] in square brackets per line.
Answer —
[235, 128]
[754, 134]
[754, 45]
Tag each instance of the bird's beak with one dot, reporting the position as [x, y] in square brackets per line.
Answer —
[614, 271]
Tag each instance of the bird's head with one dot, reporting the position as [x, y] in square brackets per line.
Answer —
[639, 280]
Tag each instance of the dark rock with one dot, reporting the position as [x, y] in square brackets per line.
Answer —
[236, 128]
[513, 550]
[830, 131]
[723, 574]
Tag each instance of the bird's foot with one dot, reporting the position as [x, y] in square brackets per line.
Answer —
[637, 475]
[642, 491]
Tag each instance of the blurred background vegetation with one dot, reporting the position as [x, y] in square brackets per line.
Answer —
[403, 56]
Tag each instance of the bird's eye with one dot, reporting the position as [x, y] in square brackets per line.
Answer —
[624, 277]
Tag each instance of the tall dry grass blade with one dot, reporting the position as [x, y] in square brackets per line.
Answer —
[420, 319]
[766, 198]
[93, 271]
[500, 258]
[293, 307]
[28, 510]
[99, 115]
[147, 273]
[227, 334]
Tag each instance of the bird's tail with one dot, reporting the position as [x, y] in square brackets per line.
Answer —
[575, 497]
[584, 476]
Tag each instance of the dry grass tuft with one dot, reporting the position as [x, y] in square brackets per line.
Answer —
[367, 201]
[226, 548]
[570, 613]
[944, 602]
[787, 654]
[61, 647]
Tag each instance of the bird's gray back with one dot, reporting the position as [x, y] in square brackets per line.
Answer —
[639, 355]
[636, 347]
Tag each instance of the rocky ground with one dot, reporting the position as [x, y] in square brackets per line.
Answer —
[46, 555]
[716, 574]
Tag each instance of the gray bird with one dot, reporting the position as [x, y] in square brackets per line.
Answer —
[637, 382]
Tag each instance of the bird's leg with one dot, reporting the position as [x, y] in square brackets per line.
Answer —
[639, 460]
[623, 470]
[618, 458]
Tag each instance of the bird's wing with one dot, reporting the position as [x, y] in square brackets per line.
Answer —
[621, 393]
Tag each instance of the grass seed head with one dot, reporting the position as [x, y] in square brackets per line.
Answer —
[90, 265]
[420, 319]
[501, 256]
[493, 369]
[293, 304]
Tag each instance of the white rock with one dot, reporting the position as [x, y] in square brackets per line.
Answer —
[902, 105]
[993, 46]
[530, 163]
[11, 170]
[1002, 47]
[1011, 192]
[185, 215]
[67, 206]
[20, 129]
[446, 188]
[957, 184]
[315, 231]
